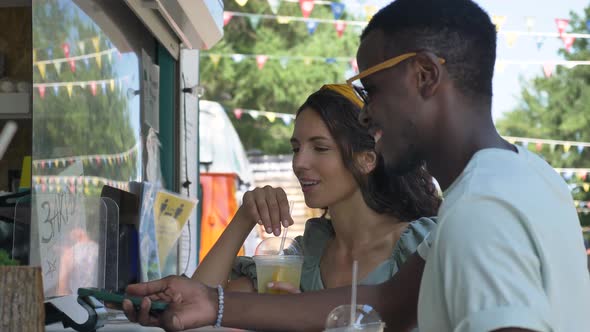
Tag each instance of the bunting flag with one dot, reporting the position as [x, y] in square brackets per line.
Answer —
[103, 86]
[283, 19]
[287, 119]
[306, 7]
[112, 85]
[99, 61]
[337, 9]
[254, 114]
[96, 43]
[241, 3]
[237, 58]
[110, 57]
[588, 25]
[586, 187]
[274, 5]
[548, 69]
[370, 11]
[66, 49]
[331, 60]
[82, 47]
[215, 58]
[307, 61]
[261, 61]
[50, 53]
[41, 67]
[93, 88]
[238, 113]
[311, 26]
[55, 90]
[284, 61]
[498, 21]
[580, 149]
[254, 21]
[270, 116]
[511, 38]
[539, 146]
[568, 42]
[69, 88]
[226, 18]
[57, 66]
[340, 26]
[87, 63]
[72, 65]
[530, 23]
[562, 24]
[566, 147]
[34, 55]
[41, 88]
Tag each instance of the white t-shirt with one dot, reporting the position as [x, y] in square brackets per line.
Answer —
[508, 251]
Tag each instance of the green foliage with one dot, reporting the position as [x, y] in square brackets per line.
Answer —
[274, 89]
[558, 107]
[6, 260]
[82, 124]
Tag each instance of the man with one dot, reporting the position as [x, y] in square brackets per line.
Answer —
[508, 254]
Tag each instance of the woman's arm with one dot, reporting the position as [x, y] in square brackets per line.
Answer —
[267, 206]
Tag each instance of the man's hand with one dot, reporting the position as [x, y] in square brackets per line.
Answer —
[191, 304]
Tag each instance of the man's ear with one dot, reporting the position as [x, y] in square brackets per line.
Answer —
[366, 161]
[429, 73]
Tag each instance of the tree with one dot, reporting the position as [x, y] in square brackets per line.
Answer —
[557, 107]
[274, 88]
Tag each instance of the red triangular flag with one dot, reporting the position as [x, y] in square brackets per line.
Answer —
[562, 24]
[539, 147]
[548, 69]
[42, 91]
[340, 26]
[93, 88]
[306, 7]
[72, 65]
[226, 18]
[568, 41]
[66, 48]
[261, 60]
[238, 113]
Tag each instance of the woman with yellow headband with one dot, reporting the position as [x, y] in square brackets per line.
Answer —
[375, 218]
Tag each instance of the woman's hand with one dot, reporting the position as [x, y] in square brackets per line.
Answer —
[268, 207]
[283, 287]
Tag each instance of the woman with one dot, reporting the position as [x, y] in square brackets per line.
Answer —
[375, 218]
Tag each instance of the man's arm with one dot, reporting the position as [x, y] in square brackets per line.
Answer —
[396, 301]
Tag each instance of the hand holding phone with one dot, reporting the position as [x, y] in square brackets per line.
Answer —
[117, 298]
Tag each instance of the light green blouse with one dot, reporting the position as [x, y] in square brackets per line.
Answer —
[317, 233]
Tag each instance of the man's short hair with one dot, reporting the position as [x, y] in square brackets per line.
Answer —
[457, 30]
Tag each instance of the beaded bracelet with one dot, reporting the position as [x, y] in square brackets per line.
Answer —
[220, 308]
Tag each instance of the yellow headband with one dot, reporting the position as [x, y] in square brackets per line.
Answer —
[346, 91]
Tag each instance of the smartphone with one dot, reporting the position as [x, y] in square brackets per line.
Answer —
[117, 298]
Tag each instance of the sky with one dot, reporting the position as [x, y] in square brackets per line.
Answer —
[506, 83]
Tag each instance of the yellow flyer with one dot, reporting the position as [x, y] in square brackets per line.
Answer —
[171, 212]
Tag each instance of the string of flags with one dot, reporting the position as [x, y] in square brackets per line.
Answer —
[67, 49]
[57, 63]
[307, 6]
[511, 36]
[95, 159]
[582, 206]
[110, 84]
[270, 116]
[540, 144]
[284, 60]
[582, 174]
[74, 184]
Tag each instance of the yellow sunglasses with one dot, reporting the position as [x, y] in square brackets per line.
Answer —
[360, 91]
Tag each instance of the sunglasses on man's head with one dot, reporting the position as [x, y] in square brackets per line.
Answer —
[360, 91]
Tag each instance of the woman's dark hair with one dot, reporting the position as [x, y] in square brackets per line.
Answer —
[406, 197]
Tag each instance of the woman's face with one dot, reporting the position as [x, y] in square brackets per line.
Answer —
[317, 162]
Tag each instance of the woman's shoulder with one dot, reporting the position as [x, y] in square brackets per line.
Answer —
[415, 233]
[317, 232]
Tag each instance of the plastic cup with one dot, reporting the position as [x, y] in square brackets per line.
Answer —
[366, 320]
[274, 265]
